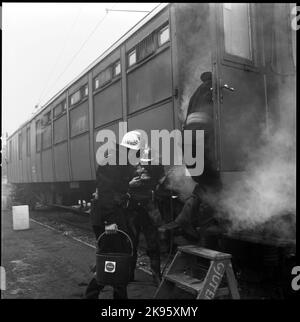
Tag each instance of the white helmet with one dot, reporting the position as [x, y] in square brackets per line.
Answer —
[132, 140]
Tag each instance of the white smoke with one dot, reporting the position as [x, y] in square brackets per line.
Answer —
[268, 188]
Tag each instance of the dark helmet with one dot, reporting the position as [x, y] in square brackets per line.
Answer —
[206, 77]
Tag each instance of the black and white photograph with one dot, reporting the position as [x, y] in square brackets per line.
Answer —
[149, 153]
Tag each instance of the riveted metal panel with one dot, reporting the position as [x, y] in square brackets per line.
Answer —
[151, 82]
[108, 104]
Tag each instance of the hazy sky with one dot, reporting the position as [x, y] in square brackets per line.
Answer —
[39, 42]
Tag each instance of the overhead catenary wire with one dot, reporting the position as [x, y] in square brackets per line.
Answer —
[109, 47]
[80, 49]
[60, 55]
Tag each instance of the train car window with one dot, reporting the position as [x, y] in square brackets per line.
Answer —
[38, 135]
[163, 35]
[47, 118]
[79, 119]
[103, 78]
[145, 48]
[64, 105]
[117, 69]
[75, 98]
[84, 91]
[57, 110]
[28, 141]
[60, 108]
[132, 57]
[96, 83]
[20, 146]
[237, 30]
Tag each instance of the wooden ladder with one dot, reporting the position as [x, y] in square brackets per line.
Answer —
[197, 272]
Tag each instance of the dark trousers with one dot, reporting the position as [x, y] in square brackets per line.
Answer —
[141, 222]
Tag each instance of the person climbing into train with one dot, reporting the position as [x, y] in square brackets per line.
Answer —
[107, 213]
[142, 207]
[199, 117]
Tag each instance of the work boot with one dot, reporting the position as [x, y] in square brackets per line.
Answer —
[155, 270]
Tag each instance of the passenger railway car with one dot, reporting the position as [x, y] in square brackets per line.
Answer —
[146, 79]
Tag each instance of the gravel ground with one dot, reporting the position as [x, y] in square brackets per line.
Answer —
[43, 263]
[70, 224]
[78, 226]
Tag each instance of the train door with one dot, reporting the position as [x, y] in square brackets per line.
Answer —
[239, 83]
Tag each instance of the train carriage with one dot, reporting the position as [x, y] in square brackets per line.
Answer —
[146, 79]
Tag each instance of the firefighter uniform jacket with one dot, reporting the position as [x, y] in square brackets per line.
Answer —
[112, 184]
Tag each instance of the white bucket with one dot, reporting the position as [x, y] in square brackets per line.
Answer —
[20, 217]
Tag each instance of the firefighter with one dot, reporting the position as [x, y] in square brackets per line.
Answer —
[144, 213]
[107, 211]
[199, 117]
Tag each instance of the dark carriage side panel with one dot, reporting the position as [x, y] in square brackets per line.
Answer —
[47, 167]
[25, 156]
[153, 119]
[20, 155]
[60, 149]
[28, 152]
[79, 119]
[79, 133]
[61, 162]
[46, 155]
[151, 82]
[80, 153]
[14, 155]
[108, 104]
[8, 160]
[22, 159]
[114, 128]
[38, 145]
[60, 129]
[32, 167]
[11, 159]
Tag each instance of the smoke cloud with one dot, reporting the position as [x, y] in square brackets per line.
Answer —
[193, 51]
[264, 195]
[267, 190]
